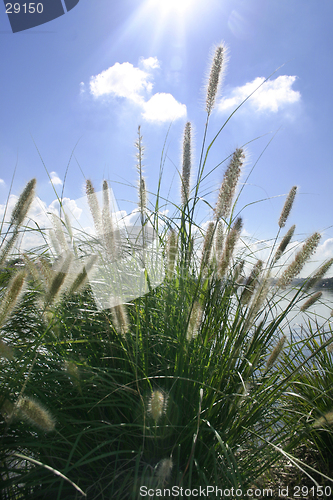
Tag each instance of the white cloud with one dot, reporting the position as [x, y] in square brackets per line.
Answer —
[135, 84]
[325, 250]
[272, 95]
[55, 179]
[150, 63]
[121, 80]
[70, 206]
[2, 182]
[163, 107]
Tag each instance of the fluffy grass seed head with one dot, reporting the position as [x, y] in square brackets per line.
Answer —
[194, 321]
[219, 239]
[13, 293]
[215, 76]
[318, 275]
[164, 470]
[142, 196]
[6, 249]
[32, 411]
[120, 319]
[186, 167]
[284, 243]
[301, 258]
[229, 184]
[311, 301]
[94, 206]
[207, 245]
[229, 247]
[238, 272]
[327, 419]
[107, 224]
[259, 298]
[59, 233]
[287, 207]
[82, 277]
[276, 352]
[141, 182]
[58, 285]
[23, 203]
[171, 252]
[251, 282]
[157, 405]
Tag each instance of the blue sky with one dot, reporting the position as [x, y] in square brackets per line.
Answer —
[87, 79]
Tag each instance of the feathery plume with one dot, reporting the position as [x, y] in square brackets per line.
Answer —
[13, 293]
[194, 321]
[284, 243]
[276, 352]
[32, 268]
[318, 275]
[35, 414]
[311, 301]
[327, 419]
[186, 171]
[8, 246]
[23, 203]
[229, 247]
[238, 271]
[301, 257]
[171, 253]
[259, 298]
[157, 404]
[6, 351]
[219, 238]
[207, 246]
[56, 287]
[141, 182]
[54, 242]
[82, 277]
[94, 206]
[59, 233]
[215, 77]
[164, 470]
[69, 227]
[287, 206]
[229, 184]
[45, 269]
[251, 282]
[108, 228]
[143, 196]
[120, 319]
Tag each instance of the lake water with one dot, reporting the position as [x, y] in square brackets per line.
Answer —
[318, 314]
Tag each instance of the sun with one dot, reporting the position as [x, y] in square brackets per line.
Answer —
[177, 8]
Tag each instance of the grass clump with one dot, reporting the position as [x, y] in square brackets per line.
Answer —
[183, 386]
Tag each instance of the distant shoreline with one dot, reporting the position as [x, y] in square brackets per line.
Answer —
[323, 284]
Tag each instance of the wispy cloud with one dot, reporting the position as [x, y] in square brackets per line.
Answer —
[55, 179]
[271, 96]
[2, 182]
[149, 63]
[135, 84]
